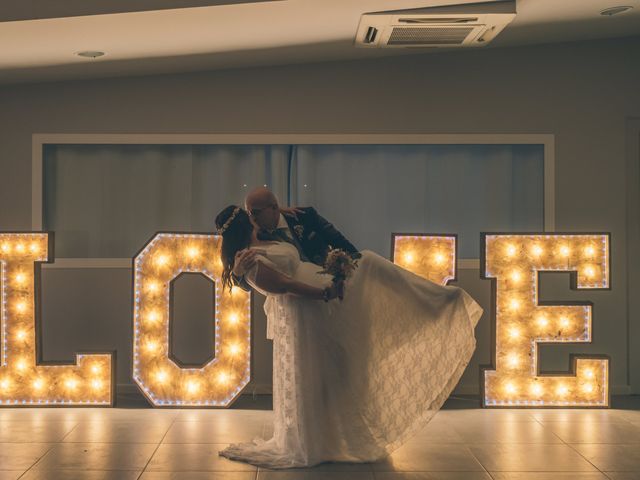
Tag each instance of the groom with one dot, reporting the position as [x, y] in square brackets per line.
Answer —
[310, 233]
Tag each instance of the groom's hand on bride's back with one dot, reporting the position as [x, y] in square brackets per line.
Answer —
[291, 211]
[243, 261]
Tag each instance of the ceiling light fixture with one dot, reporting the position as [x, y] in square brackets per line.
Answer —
[90, 54]
[611, 11]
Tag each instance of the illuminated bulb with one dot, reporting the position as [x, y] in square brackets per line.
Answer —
[439, 258]
[5, 248]
[513, 360]
[153, 287]
[20, 248]
[21, 365]
[516, 276]
[38, 384]
[562, 390]
[162, 260]
[588, 373]
[514, 332]
[510, 388]
[192, 386]
[34, 247]
[4, 384]
[162, 376]
[587, 387]
[235, 291]
[589, 272]
[408, 257]
[151, 346]
[153, 316]
[234, 349]
[71, 384]
[233, 318]
[511, 250]
[537, 250]
[543, 321]
[20, 278]
[21, 335]
[565, 251]
[96, 384]
[514, 304]
[95, 369]
[564, 322]
[21, 307]
[192, 252]
[590, 251]
[536, 389]
[223, 377]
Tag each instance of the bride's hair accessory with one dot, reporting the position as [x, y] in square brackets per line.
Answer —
[222, 229]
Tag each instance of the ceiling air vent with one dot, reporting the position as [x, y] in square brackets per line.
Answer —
[468, 25]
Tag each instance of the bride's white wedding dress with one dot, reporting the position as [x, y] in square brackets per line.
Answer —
[353, 380]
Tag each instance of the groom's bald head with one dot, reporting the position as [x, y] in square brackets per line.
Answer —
[259, 197]
[263, 206]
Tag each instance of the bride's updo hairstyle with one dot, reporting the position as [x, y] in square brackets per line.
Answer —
[234, 225]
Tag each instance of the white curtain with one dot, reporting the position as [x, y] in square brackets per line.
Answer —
[371, 191]
[106, 201]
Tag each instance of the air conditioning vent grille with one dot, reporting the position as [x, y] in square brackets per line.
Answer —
[429, 35]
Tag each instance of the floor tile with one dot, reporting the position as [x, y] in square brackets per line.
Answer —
[426, 458]
[200, 457]
[30, 431]
[623, 475]
[81, 475]
[224, 431]
[327, 467]
[473, 432]
[118, 431]
[611, 458]
[595, 432]
[580, 415]
[198, 476]
[21, 456]
[530, 458]
[432, 476]
[548, 476]
[282, 475]
[10, 474]
[97, 456]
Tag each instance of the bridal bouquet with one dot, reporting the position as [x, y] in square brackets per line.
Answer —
[339, 264]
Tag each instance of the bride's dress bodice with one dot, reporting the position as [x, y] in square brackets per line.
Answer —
[285, 258]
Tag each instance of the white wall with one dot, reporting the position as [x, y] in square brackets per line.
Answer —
[583, 93]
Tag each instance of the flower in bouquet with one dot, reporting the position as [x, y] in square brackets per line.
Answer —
[339, 264]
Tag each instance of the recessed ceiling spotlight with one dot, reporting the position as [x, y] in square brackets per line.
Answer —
[609, 12]
[90, 54]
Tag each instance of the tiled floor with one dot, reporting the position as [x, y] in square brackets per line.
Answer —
[462, 442]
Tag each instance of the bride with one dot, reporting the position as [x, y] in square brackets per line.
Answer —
[353, 378]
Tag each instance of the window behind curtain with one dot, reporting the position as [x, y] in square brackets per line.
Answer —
[106, 201]
[371, 191]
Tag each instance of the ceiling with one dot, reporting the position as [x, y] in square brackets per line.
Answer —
[39, 38]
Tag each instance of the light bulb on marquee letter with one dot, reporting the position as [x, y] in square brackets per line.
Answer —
[514, 379]
[160, 377]
[430, 256]
[24, 379]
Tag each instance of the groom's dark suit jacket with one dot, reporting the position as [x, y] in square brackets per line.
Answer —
[315, 235]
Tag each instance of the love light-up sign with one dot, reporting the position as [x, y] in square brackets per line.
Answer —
[513, 262]
[24, 379]
[158, 374]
